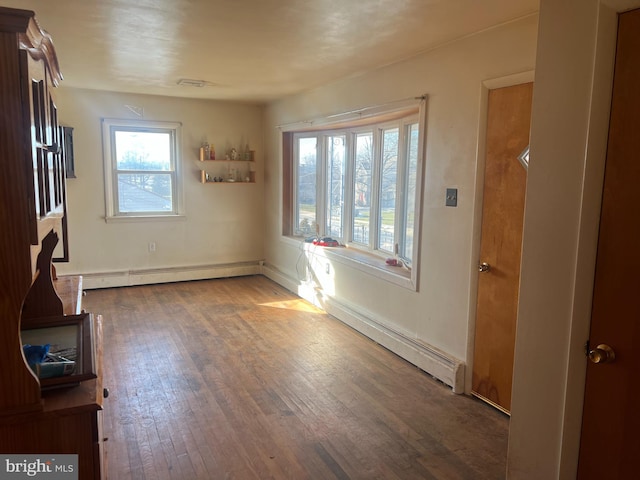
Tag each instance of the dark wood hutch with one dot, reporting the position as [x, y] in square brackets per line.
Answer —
[34, 419]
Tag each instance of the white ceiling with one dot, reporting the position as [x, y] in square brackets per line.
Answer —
[249, 50]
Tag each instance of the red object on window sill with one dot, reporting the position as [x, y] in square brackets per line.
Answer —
[326, 242]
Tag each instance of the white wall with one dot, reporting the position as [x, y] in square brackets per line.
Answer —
[440, 313]
[223, 223]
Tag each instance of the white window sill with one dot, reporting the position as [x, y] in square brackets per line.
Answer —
[361, 260]
[144, 218]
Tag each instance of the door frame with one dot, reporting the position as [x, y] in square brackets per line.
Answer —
[597, 142]
[481, 158]
[554, 319]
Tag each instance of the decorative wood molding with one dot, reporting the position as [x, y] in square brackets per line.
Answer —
[14, 20]
[42, 299]
[32, 38]
[39, 44]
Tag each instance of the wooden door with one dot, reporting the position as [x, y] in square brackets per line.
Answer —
[508, 121]
[610, 443]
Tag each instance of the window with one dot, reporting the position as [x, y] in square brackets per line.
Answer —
[358, 184]
[141, 168]
[306, 181]
[335, 184]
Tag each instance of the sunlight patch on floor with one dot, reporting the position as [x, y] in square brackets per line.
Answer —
[299, 305]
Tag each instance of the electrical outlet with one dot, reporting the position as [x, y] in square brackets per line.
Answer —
[152, 247]
[327, 268]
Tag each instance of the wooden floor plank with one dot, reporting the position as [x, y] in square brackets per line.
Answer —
[240, 379]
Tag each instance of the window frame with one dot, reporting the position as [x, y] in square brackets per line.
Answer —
[109, 127]
[364, 257]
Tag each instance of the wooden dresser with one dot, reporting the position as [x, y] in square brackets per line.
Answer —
[33, 419]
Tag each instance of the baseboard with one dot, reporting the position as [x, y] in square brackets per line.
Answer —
[436, 363]
[167, 275]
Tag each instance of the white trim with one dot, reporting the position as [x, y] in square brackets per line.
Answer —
[419, 118]
[597, 136]
[361, 260]
[145, 218]
[352, 115]
[485, 87]
[108, 163]
[509, 80]
[124, 278]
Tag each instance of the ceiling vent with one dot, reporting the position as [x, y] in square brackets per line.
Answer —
[189, 82]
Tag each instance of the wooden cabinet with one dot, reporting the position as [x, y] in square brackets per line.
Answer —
[32, 209]
[69, 421]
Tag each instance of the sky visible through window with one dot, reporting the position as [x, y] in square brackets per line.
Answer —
[143, 150]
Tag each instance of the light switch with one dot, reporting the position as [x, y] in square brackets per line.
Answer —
[452, 197]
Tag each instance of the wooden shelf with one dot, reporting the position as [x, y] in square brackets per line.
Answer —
[240, 157]
[251, 175]
[230, 183]
[228, 161]
[243, 170]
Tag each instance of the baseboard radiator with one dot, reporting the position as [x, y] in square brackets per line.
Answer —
[167, 275]
[436, 363]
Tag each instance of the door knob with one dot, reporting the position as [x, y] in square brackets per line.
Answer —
[484, 267]
[602, 354]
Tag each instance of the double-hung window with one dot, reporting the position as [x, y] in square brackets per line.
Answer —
[141, 161]
[359, 185]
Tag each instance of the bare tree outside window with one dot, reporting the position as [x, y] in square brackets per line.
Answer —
[388, 182]
[410, 187]
[359, 185]
[335, 185]
[141, 167]
[363, 182]
[306, 188]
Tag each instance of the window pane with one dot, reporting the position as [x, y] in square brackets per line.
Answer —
[144, 192]
[388, 178]
[143, 150]
[306, 188]
[141, 159]
[410, 188]
[335, 184]
[363, 174]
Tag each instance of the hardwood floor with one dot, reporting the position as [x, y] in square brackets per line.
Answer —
[239, 379]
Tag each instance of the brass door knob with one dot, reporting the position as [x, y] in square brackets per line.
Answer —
[484, 267]
[602, 354]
